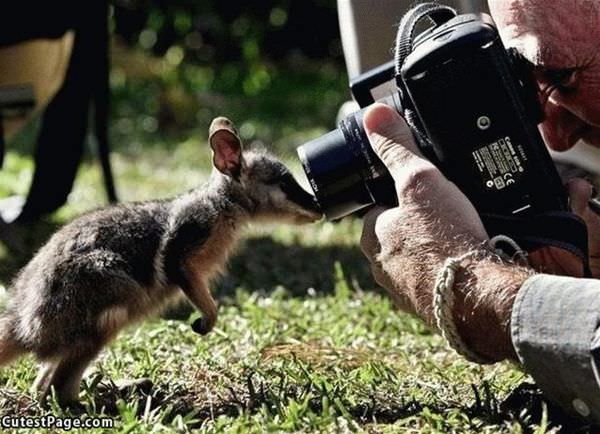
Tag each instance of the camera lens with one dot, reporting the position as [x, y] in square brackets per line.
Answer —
[344, 172]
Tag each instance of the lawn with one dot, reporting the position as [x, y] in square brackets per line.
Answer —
[305, 341]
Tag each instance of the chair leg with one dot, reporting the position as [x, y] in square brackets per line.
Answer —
[2, 147]
[7, 233]
[101, 98]
[109, 183]
[9, 237]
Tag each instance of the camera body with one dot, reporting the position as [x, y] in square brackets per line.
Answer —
[479, 109]
[476, 112]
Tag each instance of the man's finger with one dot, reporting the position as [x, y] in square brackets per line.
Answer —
[390, 137]
[368, 241]
[580, 192]
[398, 295]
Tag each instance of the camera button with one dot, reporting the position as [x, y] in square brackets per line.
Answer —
[483, 122]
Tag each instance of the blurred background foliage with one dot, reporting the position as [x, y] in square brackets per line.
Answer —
[275, 67]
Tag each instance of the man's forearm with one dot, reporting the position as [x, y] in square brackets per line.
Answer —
[486, 292]
[484, 289]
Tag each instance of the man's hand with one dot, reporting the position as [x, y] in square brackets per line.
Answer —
[553, 260]
[408, 245]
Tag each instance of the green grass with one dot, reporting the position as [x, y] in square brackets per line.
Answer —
[305, 341]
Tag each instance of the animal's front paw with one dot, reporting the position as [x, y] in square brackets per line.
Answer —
[201, 327]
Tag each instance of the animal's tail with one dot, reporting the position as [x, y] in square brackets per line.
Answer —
[10, 348]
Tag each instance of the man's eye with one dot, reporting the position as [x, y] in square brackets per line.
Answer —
[563, 80]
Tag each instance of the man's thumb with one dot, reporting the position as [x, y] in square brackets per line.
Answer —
[580, 192]
[390, 137]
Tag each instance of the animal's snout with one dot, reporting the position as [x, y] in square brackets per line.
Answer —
[315, 208]
[312, 209]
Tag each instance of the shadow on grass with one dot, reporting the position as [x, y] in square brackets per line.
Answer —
[270, 391]
[265, 264]
[528, 396]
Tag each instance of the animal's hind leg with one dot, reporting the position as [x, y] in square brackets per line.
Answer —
[47, 368]
[10, 349]
[66, 377]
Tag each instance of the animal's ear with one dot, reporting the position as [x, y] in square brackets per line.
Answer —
[226, 145]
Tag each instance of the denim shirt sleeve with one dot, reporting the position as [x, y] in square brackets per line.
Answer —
[554, 329]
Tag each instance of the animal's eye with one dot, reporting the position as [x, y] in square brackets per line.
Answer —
[280, 178]
[273, 180]
[563, 80]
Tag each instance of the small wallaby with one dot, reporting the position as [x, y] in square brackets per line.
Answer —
[114, 266]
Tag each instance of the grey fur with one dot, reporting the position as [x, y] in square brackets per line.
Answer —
[114, 266]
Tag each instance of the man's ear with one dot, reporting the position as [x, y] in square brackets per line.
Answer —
[226, 146]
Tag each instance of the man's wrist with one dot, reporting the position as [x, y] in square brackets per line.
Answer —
[486, 293]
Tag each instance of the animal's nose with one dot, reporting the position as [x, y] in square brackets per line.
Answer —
[315, 205]
[316, 212]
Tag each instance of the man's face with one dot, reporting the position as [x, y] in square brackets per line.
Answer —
[562, 38]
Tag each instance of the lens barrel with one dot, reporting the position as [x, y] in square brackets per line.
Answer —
[344, 172]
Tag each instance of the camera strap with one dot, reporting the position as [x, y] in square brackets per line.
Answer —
[561, 229]
[438, 14]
